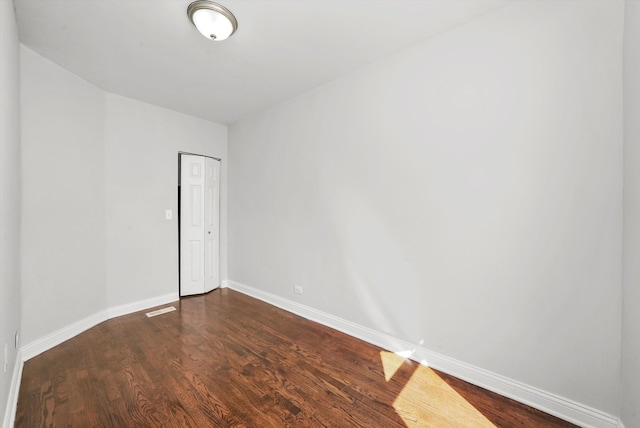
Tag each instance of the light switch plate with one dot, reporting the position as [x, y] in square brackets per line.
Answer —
[168, 215]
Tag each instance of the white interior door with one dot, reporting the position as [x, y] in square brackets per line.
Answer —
[199, 224]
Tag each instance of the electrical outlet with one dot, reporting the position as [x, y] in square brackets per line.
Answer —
[168, 214]
[297, 289]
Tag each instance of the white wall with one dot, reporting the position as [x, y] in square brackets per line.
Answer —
[466, 192]
[99, 171]
[10, 306]
[63, 199]
[631, 285]
[142, 145]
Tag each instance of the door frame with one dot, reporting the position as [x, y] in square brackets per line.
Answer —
[180, 153]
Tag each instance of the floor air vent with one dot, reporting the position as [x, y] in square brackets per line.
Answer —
[161, 311]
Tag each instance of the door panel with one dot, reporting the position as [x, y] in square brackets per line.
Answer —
[191, 225]
[211, 224]
[195, 256]
[196, 209]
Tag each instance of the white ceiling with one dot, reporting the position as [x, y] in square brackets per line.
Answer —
[150, 51]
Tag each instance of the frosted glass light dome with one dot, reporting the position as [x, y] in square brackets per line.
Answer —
[215, 22]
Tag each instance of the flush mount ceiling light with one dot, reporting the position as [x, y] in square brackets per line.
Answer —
[215, 22]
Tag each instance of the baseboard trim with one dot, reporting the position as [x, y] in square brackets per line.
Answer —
[47, 342]
[14, 389]
[142, 305]
[553, 404]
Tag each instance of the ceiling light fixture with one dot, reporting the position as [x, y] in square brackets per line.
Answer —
[214, 21]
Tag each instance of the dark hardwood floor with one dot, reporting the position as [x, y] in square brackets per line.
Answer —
[225, 359]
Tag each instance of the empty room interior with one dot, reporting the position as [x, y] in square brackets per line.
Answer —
[442, 193]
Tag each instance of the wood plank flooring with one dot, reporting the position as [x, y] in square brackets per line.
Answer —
[227, 360]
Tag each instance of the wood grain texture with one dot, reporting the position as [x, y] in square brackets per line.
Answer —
[227, 360]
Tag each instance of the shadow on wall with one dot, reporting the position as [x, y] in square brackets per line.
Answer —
[372, 258]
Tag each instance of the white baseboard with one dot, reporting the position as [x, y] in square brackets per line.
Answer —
[57, 337]
[47, 342]
[553, 404]
[141, 305]
[14, 389]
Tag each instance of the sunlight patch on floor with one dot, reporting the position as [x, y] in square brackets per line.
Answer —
[427, 400]
[392, 361]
